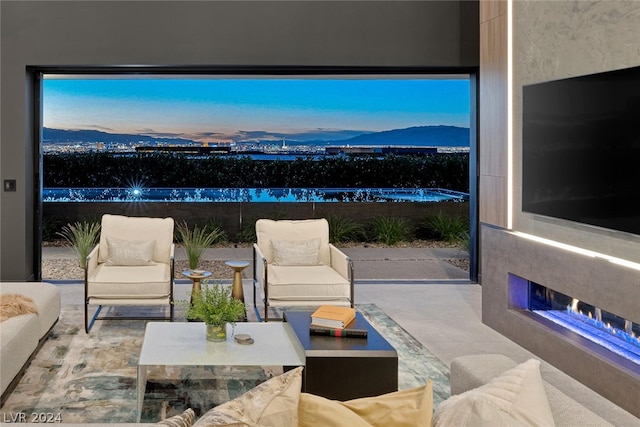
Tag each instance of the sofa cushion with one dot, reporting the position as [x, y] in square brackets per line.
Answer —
[515, 398]
[112, 281]
[406, 408]
[296, 252]
[274, 403]
[19, 338]
[316, 282]
[130, 252]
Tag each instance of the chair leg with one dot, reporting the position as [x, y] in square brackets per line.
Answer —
[89, 324]
[86, 317]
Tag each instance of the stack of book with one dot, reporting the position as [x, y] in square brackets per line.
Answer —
[334, 321]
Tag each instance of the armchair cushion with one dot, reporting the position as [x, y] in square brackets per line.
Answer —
[296, 230]
[316, 282]
[137, 229]
[296, 252]
[113, 281]
[130, 252]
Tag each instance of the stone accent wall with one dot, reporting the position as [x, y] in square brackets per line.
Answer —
[554, 40]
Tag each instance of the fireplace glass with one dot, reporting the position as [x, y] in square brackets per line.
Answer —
[606, 329]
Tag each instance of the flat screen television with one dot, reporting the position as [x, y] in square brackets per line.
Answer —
[581, 149]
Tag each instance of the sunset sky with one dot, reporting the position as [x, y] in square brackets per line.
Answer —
[222, 109]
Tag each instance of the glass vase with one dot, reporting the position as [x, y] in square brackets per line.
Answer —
[216, 333]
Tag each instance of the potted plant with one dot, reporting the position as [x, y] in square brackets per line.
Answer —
[83, 237]
[196, 241]
[215, 306]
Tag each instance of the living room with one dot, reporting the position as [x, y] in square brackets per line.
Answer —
[549, 40]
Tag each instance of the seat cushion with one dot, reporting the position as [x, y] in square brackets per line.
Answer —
[46, 297]
[306, 283]
[19, 338]
[143, 281]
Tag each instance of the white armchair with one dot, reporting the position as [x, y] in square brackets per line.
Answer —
[133, 264]
[295, 265]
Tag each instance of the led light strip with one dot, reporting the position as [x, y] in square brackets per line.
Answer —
[510, 114]
[575, 249]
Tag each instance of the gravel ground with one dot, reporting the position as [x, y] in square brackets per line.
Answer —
[58, 269]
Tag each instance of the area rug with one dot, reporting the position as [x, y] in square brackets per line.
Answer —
[92, 377]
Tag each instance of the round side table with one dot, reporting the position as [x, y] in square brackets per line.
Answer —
[237, 266]
[196, 276]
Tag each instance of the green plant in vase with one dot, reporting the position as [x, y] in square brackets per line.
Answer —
[215, 306]
[196, 241]
[82, 236]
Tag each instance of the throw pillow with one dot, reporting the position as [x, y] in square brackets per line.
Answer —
[130, 252]
[274, 403]
[184, 419]
[296, 252]
[405, 408]
[515, 398]
[12, 305]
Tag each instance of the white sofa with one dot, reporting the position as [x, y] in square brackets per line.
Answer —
[472, 371]
[21, 336]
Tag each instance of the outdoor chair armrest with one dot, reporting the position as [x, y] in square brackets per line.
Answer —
[259, 274]
[92, 261]
[172, 265]
[340, 262]
[259, 264]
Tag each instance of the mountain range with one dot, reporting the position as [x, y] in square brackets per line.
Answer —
[423, 136]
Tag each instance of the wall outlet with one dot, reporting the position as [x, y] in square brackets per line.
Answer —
[9, 185]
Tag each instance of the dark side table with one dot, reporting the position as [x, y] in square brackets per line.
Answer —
[343, 368]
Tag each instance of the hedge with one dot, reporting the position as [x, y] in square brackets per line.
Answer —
[157, 170]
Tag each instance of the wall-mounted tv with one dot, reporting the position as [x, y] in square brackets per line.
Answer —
[581, 149]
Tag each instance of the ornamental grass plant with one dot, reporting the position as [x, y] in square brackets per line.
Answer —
[450, 228]
[82, 237]
[389, 230]
[343, 229]
[196, 241]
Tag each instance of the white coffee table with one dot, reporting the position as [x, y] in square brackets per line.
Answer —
[185, 344]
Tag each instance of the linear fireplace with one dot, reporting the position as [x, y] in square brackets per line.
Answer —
[618, 339]
[513, 265]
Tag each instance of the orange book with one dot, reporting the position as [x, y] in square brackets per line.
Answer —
[331, 316]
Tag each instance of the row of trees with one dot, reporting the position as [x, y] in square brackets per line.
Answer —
[450, 171]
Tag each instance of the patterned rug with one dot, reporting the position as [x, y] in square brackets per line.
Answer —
[92, 377]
